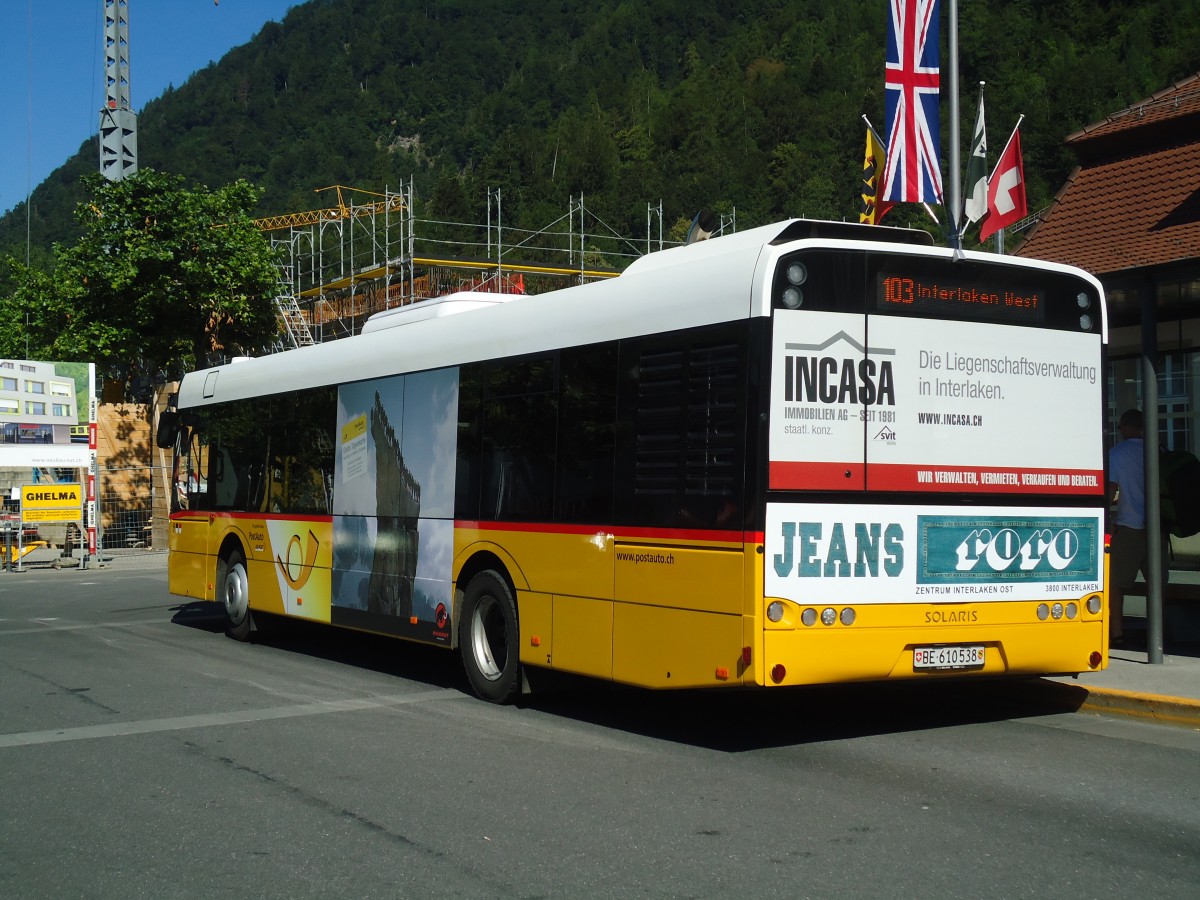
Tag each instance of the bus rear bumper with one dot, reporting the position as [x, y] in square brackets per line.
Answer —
[837, 654]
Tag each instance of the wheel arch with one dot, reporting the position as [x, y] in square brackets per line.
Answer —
[481, 560]
[473, 559]
[232, 541]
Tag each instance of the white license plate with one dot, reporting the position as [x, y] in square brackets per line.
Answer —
[958, 656]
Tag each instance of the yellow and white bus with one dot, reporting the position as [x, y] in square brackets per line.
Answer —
[808, 452]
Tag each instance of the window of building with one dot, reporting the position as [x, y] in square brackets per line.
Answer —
[1178, 385]
[60, 409]
[33, 408]
[60, 388]
[8, 384]
[9, 405]
[25, 368]
[35, 387]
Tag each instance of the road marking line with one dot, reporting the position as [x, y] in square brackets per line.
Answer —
[208, 720]
[46, 629]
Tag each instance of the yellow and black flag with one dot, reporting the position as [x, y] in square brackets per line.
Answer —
[873, 159]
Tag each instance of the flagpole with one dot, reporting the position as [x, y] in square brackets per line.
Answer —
[954, 206]
[873, 131]
[928, 208]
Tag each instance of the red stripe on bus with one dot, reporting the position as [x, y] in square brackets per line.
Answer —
[621, 532]
[984, 479]
[969, 479]
[197, 514]
[816, 476]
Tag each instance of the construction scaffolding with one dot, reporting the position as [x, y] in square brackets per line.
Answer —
[369, 252]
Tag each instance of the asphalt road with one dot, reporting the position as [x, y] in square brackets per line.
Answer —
[144, 754]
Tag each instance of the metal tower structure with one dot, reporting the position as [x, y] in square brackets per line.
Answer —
[118, 121]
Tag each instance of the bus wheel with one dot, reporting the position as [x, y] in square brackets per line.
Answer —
[233, 591]
[489, 638]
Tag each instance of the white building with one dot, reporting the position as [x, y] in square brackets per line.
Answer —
[37, 405]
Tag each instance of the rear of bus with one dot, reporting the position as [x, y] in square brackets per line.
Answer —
[935, 488]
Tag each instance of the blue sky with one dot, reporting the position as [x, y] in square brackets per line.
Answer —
[55, 61]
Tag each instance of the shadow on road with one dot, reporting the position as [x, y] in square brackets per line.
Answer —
[199, 614]
[740, 720]
[729, 720]
[386, 655]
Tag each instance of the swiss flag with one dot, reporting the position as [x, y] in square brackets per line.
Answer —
[1006, 191]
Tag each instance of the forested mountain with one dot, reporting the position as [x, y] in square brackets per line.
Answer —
[755, 105]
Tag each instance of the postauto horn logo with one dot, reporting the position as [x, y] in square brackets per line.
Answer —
[297, 564]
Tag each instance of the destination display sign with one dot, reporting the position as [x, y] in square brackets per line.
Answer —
[994, 298]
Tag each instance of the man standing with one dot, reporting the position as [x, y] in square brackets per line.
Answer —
[1127, 484]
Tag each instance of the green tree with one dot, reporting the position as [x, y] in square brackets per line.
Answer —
[164, 278]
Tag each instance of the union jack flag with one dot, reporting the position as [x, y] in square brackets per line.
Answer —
[913, 172]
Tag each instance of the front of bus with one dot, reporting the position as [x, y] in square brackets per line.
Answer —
[934, 481]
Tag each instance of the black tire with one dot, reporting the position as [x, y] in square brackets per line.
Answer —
[233, 592]
[488, 638]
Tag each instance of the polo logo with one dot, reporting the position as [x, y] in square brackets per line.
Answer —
[962, 550]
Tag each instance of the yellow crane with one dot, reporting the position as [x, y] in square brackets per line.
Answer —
[341, 212]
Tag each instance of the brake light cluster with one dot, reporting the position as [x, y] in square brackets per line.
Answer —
[1070, 610]
[1057, 611]
[810, 616]
[828, 616]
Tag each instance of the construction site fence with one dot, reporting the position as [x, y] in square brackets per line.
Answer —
[132, 509]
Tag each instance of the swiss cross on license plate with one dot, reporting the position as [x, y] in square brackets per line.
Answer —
[957, 656]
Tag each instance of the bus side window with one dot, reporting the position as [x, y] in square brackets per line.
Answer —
[180, 468]
[191, 482]
[520, 418]
[292, 470]
[683, 429]
[224, 479]
[469, 462]
[586, 442]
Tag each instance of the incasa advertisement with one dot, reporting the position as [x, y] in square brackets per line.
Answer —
[907, 404]
[860, 554]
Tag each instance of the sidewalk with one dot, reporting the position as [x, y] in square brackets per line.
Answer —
[130, 558]
[1131, 686]
[1168, 693]
[122, 558]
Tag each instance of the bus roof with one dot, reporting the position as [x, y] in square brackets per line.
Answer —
[718, 280]
[438, 307]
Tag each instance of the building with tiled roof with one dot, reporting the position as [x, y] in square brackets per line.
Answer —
[1130, 212]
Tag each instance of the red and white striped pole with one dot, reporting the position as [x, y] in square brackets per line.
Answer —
[92, 464]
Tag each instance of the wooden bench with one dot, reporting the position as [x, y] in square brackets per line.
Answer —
[1185, 552]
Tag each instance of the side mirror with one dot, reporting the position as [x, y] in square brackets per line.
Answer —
[168, 429]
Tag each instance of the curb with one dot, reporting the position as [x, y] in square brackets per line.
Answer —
[120, 561]
[1156, 707]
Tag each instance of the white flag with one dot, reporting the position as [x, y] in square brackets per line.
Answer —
[975, 202]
